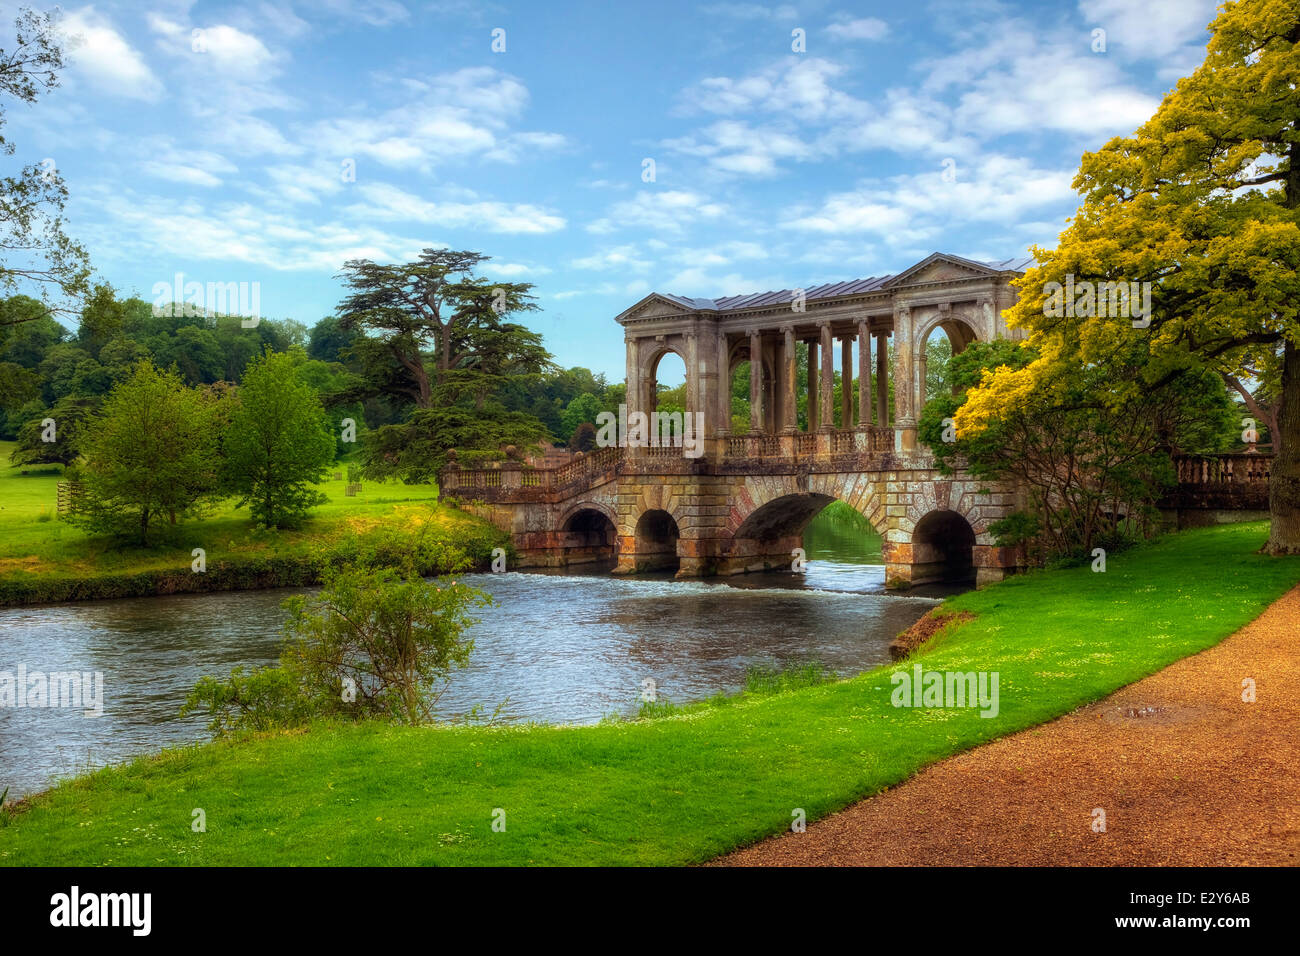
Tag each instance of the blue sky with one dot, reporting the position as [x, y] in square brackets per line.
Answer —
[900, 130]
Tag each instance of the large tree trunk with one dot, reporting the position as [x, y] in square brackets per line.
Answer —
[1284, 484]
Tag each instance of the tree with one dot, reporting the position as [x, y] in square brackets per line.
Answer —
[417, 450]
[34, 249]
[1203, 203]
[582, 409]
[583, 438]
[52, 436]
[277, 443]
[436, 304]
[103, 317]
[150, 452]
[1091, 453]
[328, 340]
[371, 644]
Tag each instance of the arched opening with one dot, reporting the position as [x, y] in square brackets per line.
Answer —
[827, 542]
[782, 517]
[588, 536]
[667, 384]
[946, 339]
[656, 542]
[943, 547]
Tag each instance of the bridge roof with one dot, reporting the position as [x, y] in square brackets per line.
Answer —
[830, 290]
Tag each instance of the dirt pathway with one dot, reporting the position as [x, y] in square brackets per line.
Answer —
[1186, 772]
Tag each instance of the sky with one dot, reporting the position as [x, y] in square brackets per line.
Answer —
[600, 151]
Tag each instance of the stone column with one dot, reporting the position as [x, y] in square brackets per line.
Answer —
[826, 414]
[882, 378]
[692, 373]
[846, 381]
[755, 382]
[922, 361]
[633, 374]
[724, 380]
[789, 370]
[864, 375]
[904, 383]
[812, 385]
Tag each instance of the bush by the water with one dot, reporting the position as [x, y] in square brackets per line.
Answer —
[373, 643]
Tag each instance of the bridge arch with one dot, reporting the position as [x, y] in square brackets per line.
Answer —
[656, 537]
[588, 532]
[943, 549]
[782, 517]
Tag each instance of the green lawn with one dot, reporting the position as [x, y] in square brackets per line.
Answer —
[36, 546]
[674, 790]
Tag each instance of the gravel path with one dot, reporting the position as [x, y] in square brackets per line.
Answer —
[1186, 772]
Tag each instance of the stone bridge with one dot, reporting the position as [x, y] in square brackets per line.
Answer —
[741, 501]
[745, 501]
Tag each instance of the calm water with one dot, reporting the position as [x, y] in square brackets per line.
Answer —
[556, 648]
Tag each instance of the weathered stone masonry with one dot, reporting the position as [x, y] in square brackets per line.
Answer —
[744, 504]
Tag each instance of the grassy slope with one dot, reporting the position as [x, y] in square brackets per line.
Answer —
[33, 542]
[666, 791]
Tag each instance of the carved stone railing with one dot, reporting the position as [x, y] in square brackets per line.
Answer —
[1237, 482]
[1222, 469]
[512, 481]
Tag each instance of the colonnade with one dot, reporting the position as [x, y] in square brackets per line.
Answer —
[773, 399]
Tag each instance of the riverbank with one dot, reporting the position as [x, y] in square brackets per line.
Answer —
[1192, 766]
[681, 789]
[43, 559]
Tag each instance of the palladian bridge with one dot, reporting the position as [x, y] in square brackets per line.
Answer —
[744, 503]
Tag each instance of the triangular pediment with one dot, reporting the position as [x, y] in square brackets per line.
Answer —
[654, 306]
[939, 267]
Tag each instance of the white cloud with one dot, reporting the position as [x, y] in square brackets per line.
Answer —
[455, 116]
[733, 146]
[376, 13]
[382, 201]
[751, 11]
[1153, 29]
[512, 270]
[621, 258]
[134, 227]
[1014, 79]
[995, 189]
[103, 55]
[864, 28]
[667, 210]
[193, 167]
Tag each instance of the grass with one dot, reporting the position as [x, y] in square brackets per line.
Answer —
[680, 789]
[35, 544]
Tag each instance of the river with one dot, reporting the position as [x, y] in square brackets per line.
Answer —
[561, 648]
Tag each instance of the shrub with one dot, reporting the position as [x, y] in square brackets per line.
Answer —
[372, 643]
